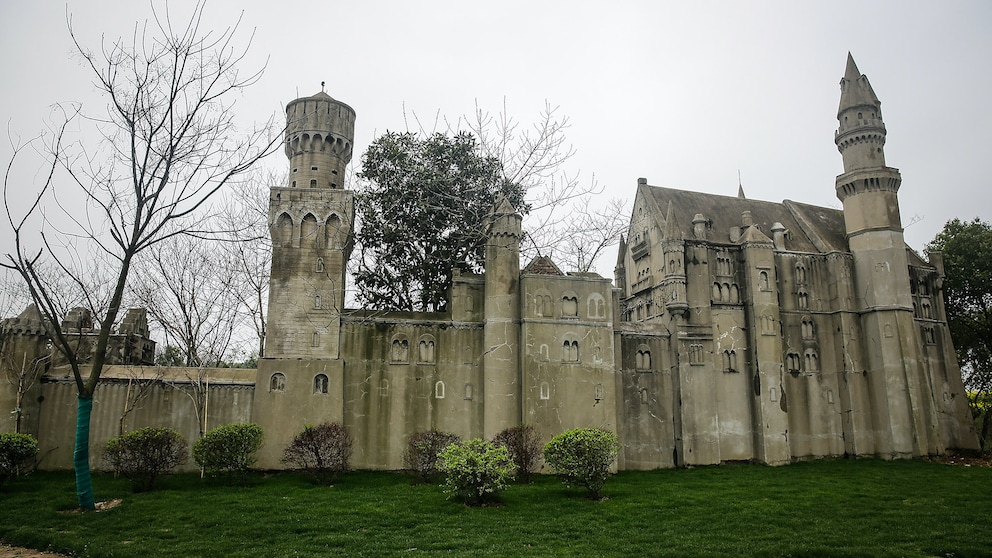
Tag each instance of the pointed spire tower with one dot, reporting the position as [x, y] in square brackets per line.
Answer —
[673, 247]
[869, 190]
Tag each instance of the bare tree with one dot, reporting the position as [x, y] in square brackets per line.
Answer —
[568, 216]
[169, 144]
[140, 382]
[250, 249]
[189, 287]
[21, 373]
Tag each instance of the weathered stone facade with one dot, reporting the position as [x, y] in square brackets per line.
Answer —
[735, 330]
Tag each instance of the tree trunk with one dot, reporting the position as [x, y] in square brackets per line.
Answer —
[985, 433]
[81, 454]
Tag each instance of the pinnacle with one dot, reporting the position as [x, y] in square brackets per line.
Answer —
[851, 73]
[672, 229]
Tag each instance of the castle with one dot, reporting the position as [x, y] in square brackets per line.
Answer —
[733, 329]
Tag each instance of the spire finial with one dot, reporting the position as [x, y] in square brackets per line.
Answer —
[851, 73]
[322, 87]
[740, 186]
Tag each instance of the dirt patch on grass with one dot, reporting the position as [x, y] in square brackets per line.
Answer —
[965, 460]
[7, 551]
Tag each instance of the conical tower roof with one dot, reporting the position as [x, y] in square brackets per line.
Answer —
[672, 229]
[855, 90]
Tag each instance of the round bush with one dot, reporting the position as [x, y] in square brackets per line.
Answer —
[229, 449]
[422, 449]
[17, 453]
[476, 470]
[146, 454]
[322, 451]
[524, 446]
[583, 457]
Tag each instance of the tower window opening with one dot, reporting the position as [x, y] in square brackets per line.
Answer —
[313, 183]
[334, 172]
[294, 170]
[294, 184]
[313, 168]
[334, 186]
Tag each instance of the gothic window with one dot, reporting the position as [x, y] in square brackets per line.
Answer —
[642, 359]
[767, 325]
[399, 350]
[735, 295]
[383, 387]
[717, 292]
[696, 354]
[439, 390]
[319, 266]
[569, 306]
[545, 390]
[597, 392]
[811, 361]
[729, 360]
[929, 336]
[800, 274]
[570, 351]
[320, 384]
[315, 339]
[284, 230]
[308, 230]
[426, 350]
[802, 299]
[468, 391]
[596, 306]
[792, 363]
[543, 307]
[644, 396]
[277, 382]
[332, 231]
[316, 301]
[927, 309]
[763, 281]
[807, 328]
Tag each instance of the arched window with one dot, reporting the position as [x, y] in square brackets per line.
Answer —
[439, 390]
[570, 351]
[425, 353]
[545, 390]
[308, 230]
[811, 361]
[596, 306]
[807, 328]
[319, 266]
[315, 340]
[763, 281]
[792, 362]
[802, 299]
[277, 382]
[569, 306]
[399, 350]
[468, 391]
[283, 233]
[642, 359]
[320, 384]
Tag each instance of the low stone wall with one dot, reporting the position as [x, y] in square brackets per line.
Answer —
[229, 396]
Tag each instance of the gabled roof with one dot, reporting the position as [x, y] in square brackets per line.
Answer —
[812, 228]
[542, 265]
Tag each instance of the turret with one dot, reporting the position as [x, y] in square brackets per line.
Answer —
[319, 135]
[673, 248]
[310, 220]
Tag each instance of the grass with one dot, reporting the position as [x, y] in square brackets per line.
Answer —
[822, 508]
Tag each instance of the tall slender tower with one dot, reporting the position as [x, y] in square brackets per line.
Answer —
[310, 220]
[868, 189]
[501, 360]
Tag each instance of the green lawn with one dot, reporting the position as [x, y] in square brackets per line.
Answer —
[823, 508]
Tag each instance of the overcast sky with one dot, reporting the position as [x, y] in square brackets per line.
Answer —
[686, 94]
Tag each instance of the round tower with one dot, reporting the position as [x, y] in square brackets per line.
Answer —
[868, 188]
[310, 220]
[320, 132]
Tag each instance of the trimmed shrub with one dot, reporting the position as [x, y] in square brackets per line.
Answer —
[230, 450]
[321, 451]
[582, 457]
[144, 455]
[422, 449]
[476, 470]
[17, 454]
[524, 446]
